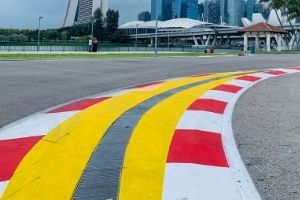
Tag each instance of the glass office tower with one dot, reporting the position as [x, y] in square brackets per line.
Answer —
[185, 9]
[162, 9]
[250, 8]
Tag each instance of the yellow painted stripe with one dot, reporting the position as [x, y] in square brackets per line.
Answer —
[52, 169]
[146, 154]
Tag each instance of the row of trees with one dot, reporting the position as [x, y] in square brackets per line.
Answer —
[105, 29]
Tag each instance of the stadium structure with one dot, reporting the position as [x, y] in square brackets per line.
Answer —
[81, 11]
[189, 32]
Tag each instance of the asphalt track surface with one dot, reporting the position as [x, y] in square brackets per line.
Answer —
[30, 86]
[276, 176]
[266, 123]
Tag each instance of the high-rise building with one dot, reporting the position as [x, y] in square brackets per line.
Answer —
[201, 11]
[81, 11]
[250, 8]
[223, 11]
[212, 11]
[235, 10]
[161, 9]
[144, 16]
[185, 9]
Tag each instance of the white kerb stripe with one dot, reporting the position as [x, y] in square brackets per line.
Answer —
[201, 120]
[195, 182]
[37, 125]
[289, 71]
[218, 95]
[263, 75]
[240, 83]
[3, 186]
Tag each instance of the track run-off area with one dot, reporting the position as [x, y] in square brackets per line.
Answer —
[169, 139]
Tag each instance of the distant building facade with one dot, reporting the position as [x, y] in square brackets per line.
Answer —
[144, 16]
[235, 9]
[212, 11]
[171, 9]
[250, 8]
[161, 9]
[81, 11]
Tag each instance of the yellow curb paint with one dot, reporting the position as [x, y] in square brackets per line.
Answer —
[146, 154]
[52, 169]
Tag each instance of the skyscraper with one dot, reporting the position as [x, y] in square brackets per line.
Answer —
[81, 11]
[212, 11]
[162, 9]
[250, 8]
[185, 9]
[235, 9]
[144, 16]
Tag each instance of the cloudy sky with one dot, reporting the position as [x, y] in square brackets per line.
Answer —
[25, 13]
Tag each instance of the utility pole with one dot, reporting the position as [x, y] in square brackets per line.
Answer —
[92, 34]
[156, 27]
[39, 34]
[136, 36]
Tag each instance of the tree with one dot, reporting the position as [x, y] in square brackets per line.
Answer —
[99, 24]
[120, 36]
[112, 22]
[293, 9]
[276, 5]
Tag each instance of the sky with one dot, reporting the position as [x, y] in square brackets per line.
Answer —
[25, 13]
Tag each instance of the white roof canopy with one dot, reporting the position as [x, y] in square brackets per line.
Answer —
[173, 23]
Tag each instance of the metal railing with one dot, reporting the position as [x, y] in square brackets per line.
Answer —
[14, 47]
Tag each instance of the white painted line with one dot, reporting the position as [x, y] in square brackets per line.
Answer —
[36, 125]
[3, 186]
[218, 95]
[201, 120]
[289, 71]
[240, 174]
[193, 182]
[262, 75]
[240, 83]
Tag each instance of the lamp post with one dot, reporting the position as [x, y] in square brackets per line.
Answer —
[136, 36]
[92, 33]
[39, 34]
[156, 27]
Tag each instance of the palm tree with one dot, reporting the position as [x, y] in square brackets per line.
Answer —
[275, 5]
[293, 11]
[293, 8]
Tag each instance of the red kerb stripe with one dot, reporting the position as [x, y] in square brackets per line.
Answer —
[276, 72]
[11, 154]
[296, 68]
[79, 105]
[209, 105]
[228, 88]
[249, 78]
[198, 147]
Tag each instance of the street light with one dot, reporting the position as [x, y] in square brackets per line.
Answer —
[39, 34]
[136, 36]
[92, 19]
[156, 27]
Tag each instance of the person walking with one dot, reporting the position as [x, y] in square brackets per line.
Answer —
[90, 44]
[95, 45]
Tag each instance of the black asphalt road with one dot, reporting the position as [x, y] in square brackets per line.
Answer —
[27, 87]
[266, 118]
[266, 123]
